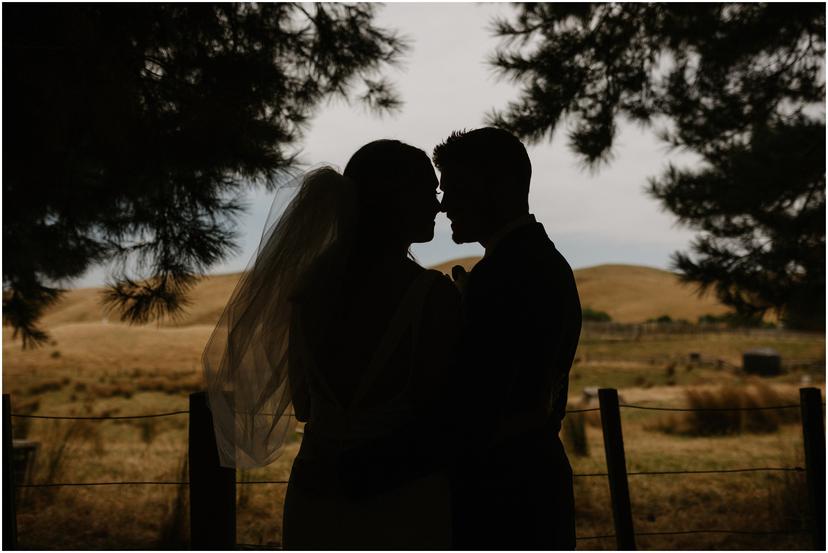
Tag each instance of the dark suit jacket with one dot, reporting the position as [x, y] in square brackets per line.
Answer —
[522, 319]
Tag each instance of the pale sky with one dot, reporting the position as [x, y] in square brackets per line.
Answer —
[446, 85]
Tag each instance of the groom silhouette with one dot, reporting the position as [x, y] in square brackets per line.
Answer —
[511, 479]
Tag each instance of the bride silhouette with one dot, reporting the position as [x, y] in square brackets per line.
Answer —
[333, 318]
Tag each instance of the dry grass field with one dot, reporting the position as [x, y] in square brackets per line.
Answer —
[102, 368]
[629, 293]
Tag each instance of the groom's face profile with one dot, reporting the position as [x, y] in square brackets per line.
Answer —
[465, 203]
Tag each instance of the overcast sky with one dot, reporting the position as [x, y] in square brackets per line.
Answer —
[593, 218]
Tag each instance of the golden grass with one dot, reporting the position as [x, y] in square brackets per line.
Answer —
[116, 369]
[629, 293]
[151, 516]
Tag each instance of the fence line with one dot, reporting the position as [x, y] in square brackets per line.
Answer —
[263, 482]
[640, 473]
[568, 411]
[686, 409]
[22, 416]
[133, 483]
[680, 532]
[596, 329]
[744, 532]
[711, 471]
[576, 475]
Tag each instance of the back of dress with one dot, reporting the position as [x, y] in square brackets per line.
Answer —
[355, 481]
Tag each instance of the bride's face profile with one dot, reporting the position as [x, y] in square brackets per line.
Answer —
[420, 204]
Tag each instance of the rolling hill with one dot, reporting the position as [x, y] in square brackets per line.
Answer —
[629, 293]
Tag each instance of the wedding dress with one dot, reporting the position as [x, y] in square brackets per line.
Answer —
[365, 476]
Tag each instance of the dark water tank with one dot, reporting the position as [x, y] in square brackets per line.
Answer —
[762, 361]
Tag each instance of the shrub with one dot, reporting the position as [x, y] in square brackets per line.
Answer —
[112, 390]
[662, 319]
[714, 419]
[46, 386]
[592, 315]
[734, 320]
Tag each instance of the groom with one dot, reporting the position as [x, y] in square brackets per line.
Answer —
[511, 479]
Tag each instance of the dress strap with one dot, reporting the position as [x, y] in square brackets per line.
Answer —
[406, 313]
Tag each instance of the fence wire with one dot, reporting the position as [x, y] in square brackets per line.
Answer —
[122, 483]
[569, 411]
[577, 475]
[153, 415]
[712, 531]
[649, 408]
[608, 536]
[743, 532]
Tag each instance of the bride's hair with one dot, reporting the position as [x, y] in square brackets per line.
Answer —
[379, 169]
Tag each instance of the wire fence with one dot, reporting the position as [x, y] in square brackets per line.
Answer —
[796, 469]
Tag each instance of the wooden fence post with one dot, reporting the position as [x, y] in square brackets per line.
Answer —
[813, 434]
[212, 487]
[9, 496]
[617, 469]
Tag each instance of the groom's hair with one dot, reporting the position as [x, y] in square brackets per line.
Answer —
[494, 154]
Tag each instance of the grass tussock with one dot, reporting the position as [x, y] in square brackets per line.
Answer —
[715, 417]
[575, 435]
[47, 386]
[788, 501]
[113, 390]
[175, 528]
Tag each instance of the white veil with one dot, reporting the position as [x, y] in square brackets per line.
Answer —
[246, 358]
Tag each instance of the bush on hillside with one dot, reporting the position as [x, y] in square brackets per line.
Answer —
[734, 320]
[594, 316]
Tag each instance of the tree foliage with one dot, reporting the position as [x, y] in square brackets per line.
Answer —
[131, 132]
[741, 85]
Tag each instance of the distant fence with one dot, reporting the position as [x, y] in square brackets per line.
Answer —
[635, 331]
[213, 487]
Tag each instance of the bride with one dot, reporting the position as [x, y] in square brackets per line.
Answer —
[334, 319]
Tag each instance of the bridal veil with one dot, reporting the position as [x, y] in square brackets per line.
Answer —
[246, 359]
